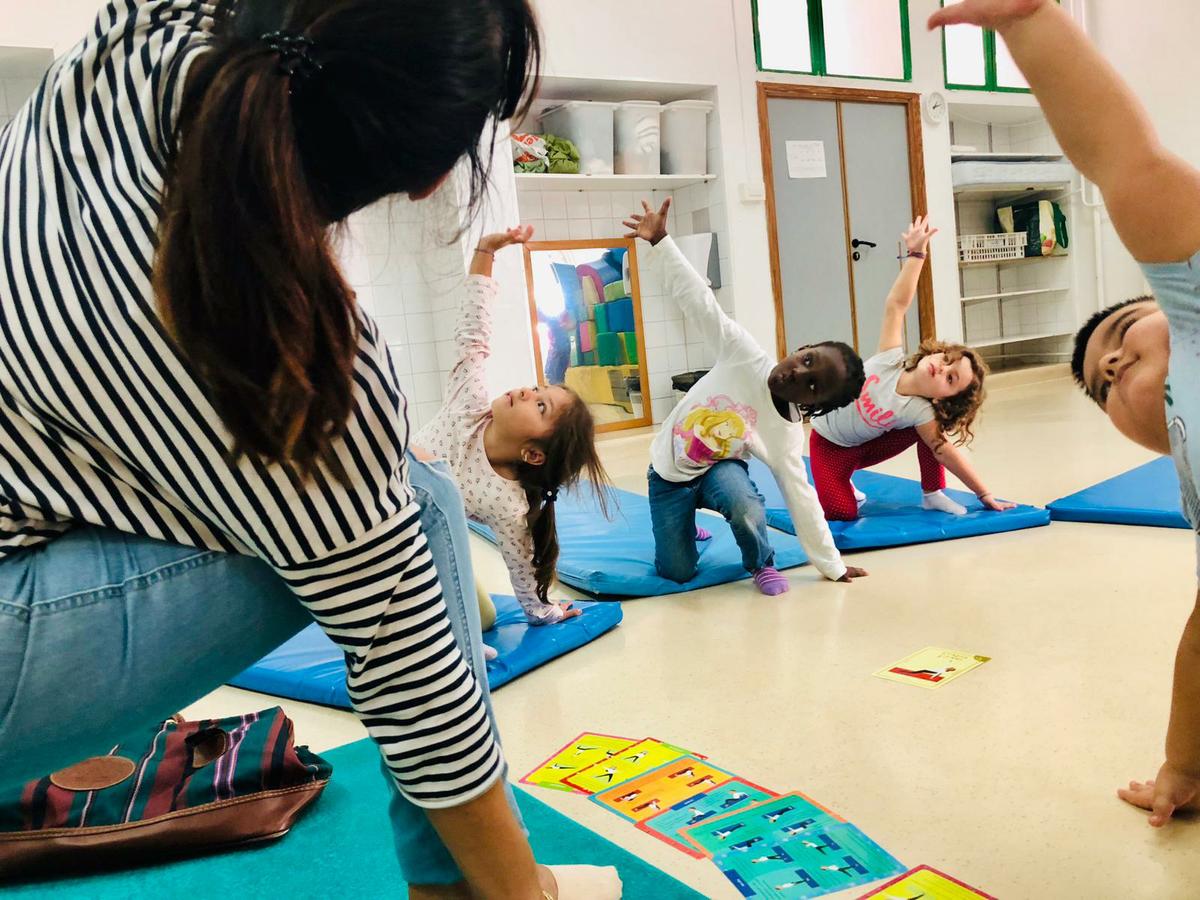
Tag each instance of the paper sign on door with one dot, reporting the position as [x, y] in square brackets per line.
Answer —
[806, 159]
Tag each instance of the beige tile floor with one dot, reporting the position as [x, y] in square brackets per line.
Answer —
[1004, 778]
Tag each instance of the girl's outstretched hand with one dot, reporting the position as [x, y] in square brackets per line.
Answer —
[568, 612]
[993, 14]
[490, 243]
[651, 226]
[916, 236]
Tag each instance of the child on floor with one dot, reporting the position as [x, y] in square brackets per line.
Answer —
[511, 456]
[746, 405]
[1136, 360]
[929, 399]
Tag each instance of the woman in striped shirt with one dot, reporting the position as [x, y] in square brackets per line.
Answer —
[200, 425]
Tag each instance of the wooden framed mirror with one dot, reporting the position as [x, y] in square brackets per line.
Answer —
[586, 313]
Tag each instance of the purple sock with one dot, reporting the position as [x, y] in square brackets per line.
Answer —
[703, 534]
[769, 580]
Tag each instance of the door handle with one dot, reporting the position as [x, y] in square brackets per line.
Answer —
[856, 243]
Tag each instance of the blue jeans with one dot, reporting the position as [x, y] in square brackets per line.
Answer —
[102, 632]
[725, 488]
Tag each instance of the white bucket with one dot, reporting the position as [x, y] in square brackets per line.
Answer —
[588, 124]
[685, 137]
[638, 144]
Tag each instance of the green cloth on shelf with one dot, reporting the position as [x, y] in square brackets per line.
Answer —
[564, 156]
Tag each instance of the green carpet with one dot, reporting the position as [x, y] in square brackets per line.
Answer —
[342, 847]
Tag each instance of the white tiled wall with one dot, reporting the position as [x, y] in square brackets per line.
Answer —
[671, 348]
[399, 257]
[13, 93]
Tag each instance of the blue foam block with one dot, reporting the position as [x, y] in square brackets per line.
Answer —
[616, 557]
[892, 515]
[1147, 495]
[309, 667]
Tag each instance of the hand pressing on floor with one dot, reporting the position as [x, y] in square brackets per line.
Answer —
[853, 572]
[1171, 792]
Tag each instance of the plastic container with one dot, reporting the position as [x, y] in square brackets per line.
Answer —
[685, 137]
[637, 138]
[990, 247]
[588, 124]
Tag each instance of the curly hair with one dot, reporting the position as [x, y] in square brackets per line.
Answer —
[956, 414]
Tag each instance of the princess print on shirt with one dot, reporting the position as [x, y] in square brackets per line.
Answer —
[717, 429]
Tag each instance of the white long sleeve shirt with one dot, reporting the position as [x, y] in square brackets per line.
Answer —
[456, 435]
[730, 414]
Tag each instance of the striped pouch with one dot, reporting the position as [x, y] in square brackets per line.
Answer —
[183, 788]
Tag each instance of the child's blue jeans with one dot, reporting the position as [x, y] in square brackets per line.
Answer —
[725, 488]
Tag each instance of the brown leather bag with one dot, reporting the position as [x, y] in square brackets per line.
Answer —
[189, 787]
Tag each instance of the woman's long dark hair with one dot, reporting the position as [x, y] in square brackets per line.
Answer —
[570, 452]
[393, 94]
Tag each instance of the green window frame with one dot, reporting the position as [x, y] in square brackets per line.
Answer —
[816, 42]
[989, 68]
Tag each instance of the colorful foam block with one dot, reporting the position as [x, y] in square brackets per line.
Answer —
[615, 291]
[587, 336]
[629, 339]
[600, 311]
[610, 351]
[620, 315]
[587, 358]
[572, 288]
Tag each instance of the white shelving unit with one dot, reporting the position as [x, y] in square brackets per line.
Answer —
[541, 181]
[1023, 307]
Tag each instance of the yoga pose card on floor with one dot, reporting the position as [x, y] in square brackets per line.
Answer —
[578, 754]
[785, 817]
[646, 795]
[628, 763]
[830, 859]
[932, 667]
[926, 883]
[729, 797]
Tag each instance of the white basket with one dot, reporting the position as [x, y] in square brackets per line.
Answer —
[991, 247]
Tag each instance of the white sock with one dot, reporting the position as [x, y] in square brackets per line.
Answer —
[939, 501]
[859, 496]
[587, 882]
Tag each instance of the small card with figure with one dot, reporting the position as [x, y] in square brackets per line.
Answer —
[581, 752]
[639, 798]
[926, 883]
[932, 667]
[734, 794]
[628, 763]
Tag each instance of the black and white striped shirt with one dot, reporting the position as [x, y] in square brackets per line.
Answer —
[103, 425]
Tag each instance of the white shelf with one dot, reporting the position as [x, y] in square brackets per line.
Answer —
[546, 182]
[1004, 295]
[1010, 262]
[1007, 191]
[1017, 338]
[984, 156]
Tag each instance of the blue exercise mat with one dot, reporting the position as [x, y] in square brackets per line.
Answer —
[309, 667]
[615, 557]
[892, 515]
[343, 847]
[1147, 495]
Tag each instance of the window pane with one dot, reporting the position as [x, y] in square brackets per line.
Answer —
[1007, 73]
[862, 37]
[964, 55]
[783, 35]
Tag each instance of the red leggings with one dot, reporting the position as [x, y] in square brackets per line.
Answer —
[832, 466]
